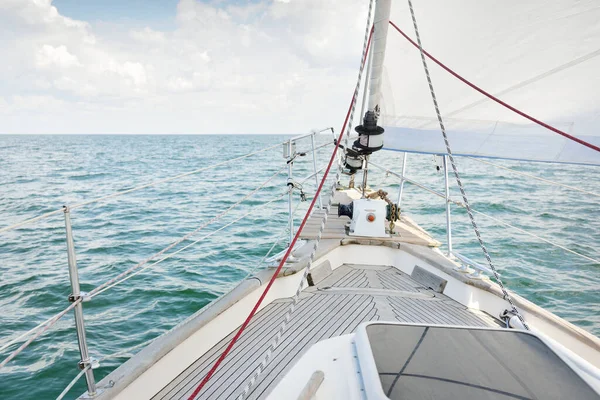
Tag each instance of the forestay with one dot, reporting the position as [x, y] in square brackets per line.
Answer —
[541, 57]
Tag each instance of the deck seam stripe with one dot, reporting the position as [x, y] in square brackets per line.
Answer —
[212, 351]
[302, 348]
[299, 324]
[272, 365]
[205, 358]
[269, 328]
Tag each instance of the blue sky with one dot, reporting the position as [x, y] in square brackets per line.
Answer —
[146, 10]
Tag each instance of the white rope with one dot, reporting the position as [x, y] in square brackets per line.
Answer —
[536, 177]
[172, 178]
[27, 221]
[316, 148]
[288, 315]
[54, 319]
[312, 175]
[537, 237]
[187, 246]
[282, 235]
[120, 353]
[184, 238]
[456, 174]
[461, 204]
[21, 336]
[134, 189]
[73, 382]
[49, 324]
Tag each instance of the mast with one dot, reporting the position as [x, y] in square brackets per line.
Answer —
[370, 134]
[380, 31]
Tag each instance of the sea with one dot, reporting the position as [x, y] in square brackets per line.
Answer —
[40, 174]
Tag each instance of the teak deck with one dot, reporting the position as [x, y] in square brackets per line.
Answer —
[352, 294]
[406, 231]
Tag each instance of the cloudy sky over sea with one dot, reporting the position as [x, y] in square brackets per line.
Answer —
[168, 66]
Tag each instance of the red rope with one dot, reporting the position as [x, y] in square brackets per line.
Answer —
[289, 250]
[497, 100]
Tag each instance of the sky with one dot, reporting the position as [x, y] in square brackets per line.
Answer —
[177, 66]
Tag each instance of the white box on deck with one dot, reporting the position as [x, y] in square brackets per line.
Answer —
[368, 218]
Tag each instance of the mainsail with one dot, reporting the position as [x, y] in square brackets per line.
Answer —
[541, 57]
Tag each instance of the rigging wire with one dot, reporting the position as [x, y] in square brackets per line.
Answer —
[166, 257]
[282, 234]
[461, 204]
[49, 324]
[93, 292]
[134, 189]
[186, 237]
[73, 382]
[296, 236]
[491, 96]
[537, 237]
[507, 296]
[534, 177]
[21, 336]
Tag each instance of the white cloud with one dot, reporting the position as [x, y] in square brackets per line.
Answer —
[49, 56]
[223, 68]
[149, 36]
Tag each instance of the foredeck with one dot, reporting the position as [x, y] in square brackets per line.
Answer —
[406, 231]
[350, 295]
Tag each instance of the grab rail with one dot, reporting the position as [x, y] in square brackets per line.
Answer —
[290, 154]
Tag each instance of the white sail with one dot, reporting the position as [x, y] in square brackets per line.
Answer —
[541, 57]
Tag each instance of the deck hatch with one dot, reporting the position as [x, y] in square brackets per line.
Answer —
[424, 362]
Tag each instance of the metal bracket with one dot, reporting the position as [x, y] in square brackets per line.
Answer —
[82, 295]
[295, 185]
[92, 362]
[86, 395]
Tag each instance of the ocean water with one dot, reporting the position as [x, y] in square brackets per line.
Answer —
[42, 173]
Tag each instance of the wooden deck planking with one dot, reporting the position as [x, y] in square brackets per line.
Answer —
[257, 327]
[335, 228]
[312, 334]
[397, 281]
[320, 314]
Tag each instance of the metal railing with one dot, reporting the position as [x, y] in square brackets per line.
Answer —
[448, 200]
[87, 364]
[290, 154]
